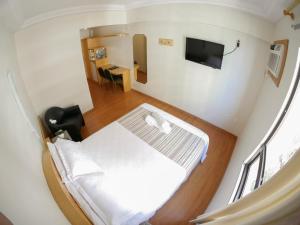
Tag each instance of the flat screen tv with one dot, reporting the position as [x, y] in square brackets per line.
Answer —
[204, 52]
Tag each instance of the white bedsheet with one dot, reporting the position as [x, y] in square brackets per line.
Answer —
[136, 180]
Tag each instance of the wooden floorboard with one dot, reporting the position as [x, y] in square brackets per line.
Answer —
[141, 77]
[194, 195]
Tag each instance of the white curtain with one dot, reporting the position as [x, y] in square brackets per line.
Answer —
[277, 202]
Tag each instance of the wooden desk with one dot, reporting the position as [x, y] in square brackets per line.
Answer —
[136, 67]
[121, 71]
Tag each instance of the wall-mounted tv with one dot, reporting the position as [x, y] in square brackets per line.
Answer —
[204, 52]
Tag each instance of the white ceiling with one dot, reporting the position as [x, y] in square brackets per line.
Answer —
[23, 10]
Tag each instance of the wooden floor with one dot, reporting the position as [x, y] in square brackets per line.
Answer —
[141, 77]
[195, 194]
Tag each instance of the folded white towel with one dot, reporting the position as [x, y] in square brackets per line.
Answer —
[159, 122]
[151, 121]
[166, 127]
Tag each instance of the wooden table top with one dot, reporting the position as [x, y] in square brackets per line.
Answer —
[118, 71]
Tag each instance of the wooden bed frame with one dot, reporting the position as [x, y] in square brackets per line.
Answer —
[60, 193]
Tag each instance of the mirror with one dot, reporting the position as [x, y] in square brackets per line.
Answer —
[140, 58]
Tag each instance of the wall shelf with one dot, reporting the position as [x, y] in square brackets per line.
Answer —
[95, 42]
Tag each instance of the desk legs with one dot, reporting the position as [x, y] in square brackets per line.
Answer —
[126, 81]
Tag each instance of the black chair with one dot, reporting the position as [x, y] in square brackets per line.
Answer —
[69, 119]
[103, 75]
[116, 79]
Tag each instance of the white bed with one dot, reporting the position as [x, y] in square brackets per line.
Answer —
[127, 179]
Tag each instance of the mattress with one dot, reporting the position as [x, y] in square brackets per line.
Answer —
[138, 177]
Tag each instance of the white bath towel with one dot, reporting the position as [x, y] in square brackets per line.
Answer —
[151, 121]
[159, 122]
[166, 127]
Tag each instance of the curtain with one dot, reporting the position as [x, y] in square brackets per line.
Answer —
[277, 202]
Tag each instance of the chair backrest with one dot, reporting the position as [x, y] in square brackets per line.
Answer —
[108, 75]
[101, 72]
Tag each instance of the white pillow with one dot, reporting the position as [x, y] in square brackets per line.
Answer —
[57, 161]
[76, 161]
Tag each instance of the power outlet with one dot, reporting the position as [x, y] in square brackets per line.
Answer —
[167, 42]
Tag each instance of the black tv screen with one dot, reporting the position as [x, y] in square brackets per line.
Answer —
[204, 52]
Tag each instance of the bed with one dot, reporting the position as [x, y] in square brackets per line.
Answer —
[133, 168]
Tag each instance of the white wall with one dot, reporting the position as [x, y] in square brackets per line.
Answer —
[50, 58]
[223, 97]
[266, 109]
[207, 14]
[24, 194]
[119, 49]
